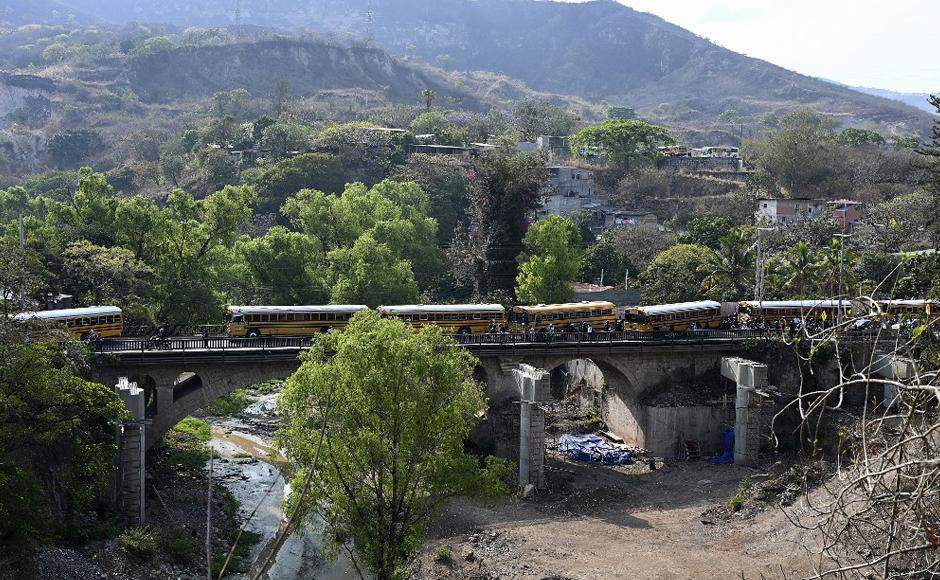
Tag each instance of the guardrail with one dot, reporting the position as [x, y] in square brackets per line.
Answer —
[224, 344]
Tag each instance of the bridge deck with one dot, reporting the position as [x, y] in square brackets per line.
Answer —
[148, 351]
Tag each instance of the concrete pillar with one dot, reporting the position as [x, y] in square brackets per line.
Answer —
[534, 388]
[749, 377]
[132, 445]
[895, 368]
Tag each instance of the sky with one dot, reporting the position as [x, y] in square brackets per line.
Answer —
[871, 43]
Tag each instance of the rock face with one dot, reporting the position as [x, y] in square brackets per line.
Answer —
[597, 50]
[191, 73]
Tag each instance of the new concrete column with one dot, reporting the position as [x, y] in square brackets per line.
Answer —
[894, 368]
[132, 445]
[534, 388]
[749, 377]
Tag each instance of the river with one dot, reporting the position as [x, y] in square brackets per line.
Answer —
[248, 467]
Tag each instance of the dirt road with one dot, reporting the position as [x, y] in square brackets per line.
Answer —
[601, 523]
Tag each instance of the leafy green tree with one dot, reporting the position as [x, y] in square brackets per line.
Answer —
[393, 214]
[397, 406]
[283, 138]
[799, 155]
[153, 45]
[919, 277]
[91, 212]
[606, 256]
[897, 224]
[370, 273]
[69, 148]
[534, 117]
[707, 231]
[854, 137]
[830, 261]
[185, 272]
[100, 275]
[274, 184]
[56, 438]
[551, 262]
[729, 269]
[620, 113]
[286, 267]
[445, 181]
[140, 226]
[629, 143]
[434, 122]
[428, 95]
[675, 275]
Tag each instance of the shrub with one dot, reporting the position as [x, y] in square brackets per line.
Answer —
[444, 555]
[139, 543]
[179, 545]
[230, 405]
[740, 497]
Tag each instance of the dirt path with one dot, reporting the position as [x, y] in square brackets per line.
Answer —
[599, 523]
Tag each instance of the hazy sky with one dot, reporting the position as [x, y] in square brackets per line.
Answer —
[874, 43]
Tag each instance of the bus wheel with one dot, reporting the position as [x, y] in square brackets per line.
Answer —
[465, 330]
[253, 334]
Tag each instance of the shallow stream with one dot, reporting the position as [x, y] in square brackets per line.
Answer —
[249, 469]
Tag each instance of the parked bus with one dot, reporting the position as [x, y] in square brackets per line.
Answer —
[255, 321]
[895, 310]
[677, 317]
[597, 314]
[81, 323]
[788, 310]
[453, 318]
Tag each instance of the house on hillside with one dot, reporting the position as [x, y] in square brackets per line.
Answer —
[846, 212]
[790, 211]
[630, 218]
[569, 190]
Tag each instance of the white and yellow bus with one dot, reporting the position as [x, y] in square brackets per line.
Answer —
[895, 310]
[453, 318]
[597, 314]
[255, 321]
[677, 317]
[81, 323]
[788, 310]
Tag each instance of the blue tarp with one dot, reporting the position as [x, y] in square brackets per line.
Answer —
[591, 447]
[727, 456]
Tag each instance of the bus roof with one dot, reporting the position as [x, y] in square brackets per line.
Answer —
[311, 308]
[678, 307]
[819, 303]
[539, 308]
[68, 313]
[916, 302]
[408, 308]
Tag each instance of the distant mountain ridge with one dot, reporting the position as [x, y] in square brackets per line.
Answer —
[918, 100]
[599, 50]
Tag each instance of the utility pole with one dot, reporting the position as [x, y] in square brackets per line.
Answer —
[22, 233]
[842, 238]
[759, 268]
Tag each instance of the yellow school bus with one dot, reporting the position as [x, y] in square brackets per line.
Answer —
[597, 314]
[81, 323]
[788, 310]
[894, 310]
[453, 318]
[677, 317]
[255, 321]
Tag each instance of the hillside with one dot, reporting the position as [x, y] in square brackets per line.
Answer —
[598, 50]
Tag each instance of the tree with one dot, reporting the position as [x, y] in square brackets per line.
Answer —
[798, 156]
[280, 96]
[445, 181]
[729, 268]
[831, 261]
[285, 138]
[853, 137]
[629, 143]
[534, 117]
[428, 95]
[154, 45]
[504, 189]
[370, 273]
[69, 148]
[285, 267]
[675, 275]
[799, 270]
[100, 275]
[931, 152]
[274, 184]
[605, 256]
[897, 224]
[551, 262]
[707, 231]
[56, 438]
[620, 113]
[395, 406]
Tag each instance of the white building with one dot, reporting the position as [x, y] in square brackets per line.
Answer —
[790, 211]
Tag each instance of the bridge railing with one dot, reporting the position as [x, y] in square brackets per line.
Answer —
[200, 344]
